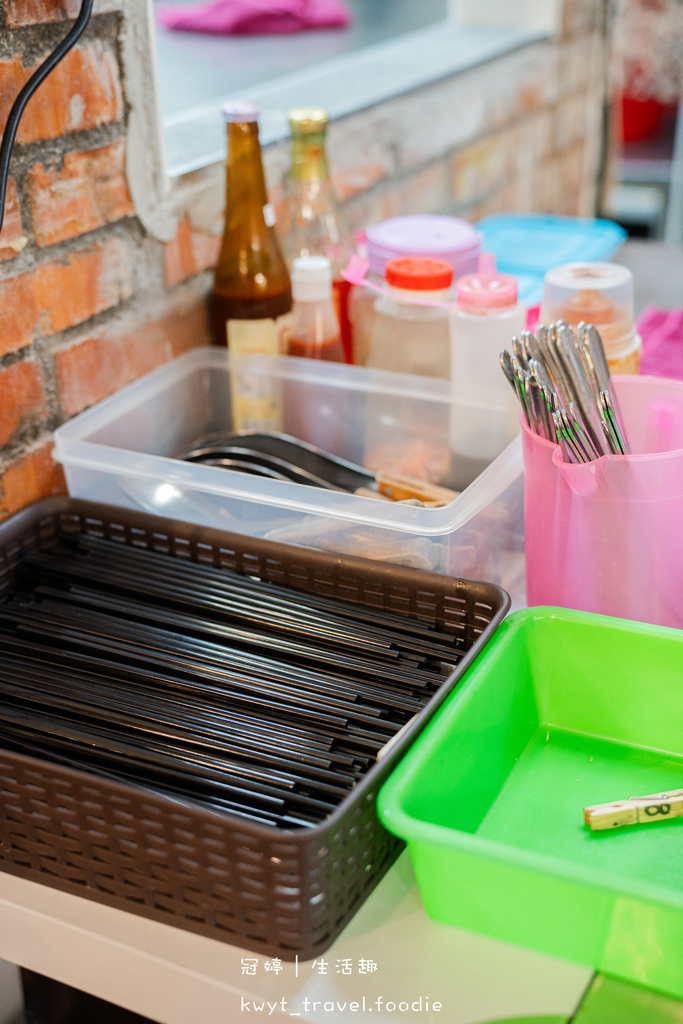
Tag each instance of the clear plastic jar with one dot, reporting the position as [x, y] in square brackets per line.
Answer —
[362, 317]
[410, 337]
[429, 236]
[600, 294]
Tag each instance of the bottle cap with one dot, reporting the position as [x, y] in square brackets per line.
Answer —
[311, 278]
[307, 120]
[417, 274]
[239, 111]
[487, 289]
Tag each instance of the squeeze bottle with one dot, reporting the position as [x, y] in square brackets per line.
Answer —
[313, 223]
[487, 314]
[315, 331]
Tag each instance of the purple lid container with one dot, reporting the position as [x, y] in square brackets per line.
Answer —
[444, 238]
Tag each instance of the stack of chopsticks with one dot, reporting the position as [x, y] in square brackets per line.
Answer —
[196, 681]
[562, 380]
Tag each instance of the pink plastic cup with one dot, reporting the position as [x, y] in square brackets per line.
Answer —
[607, 536]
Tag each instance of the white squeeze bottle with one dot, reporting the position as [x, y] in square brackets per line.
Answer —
[485, 413]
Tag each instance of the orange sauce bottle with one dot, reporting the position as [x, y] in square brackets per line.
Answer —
[312, 222]
[315, 331]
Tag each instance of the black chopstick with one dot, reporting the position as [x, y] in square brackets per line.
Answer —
[204, 684]
[226, 577]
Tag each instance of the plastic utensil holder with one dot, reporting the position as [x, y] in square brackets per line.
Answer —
[606, 536]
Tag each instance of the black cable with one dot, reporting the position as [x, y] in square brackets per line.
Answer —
[36, 79]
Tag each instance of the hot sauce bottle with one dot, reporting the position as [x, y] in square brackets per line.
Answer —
[312, 222]
[315, 329]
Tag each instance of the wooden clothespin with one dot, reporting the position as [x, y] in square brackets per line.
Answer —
[402, 488]
[637, 810]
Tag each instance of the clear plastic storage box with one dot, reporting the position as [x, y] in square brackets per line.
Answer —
[123, 452]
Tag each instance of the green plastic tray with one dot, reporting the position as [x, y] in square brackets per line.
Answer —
[561, 710]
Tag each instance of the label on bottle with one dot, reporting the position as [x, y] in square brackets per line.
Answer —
[255, 393]
[269, 215]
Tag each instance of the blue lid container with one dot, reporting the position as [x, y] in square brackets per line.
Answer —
[526, 245]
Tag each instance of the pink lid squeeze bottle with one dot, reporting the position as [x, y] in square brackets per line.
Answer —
[486, 316]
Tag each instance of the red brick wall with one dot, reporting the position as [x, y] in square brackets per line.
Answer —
[88, 301]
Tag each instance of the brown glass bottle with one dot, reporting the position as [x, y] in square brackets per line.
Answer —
[251, 280]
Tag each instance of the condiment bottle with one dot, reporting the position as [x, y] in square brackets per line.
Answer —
[487, 314]
[315, 331]
[600, 294]
[410, 337]
[312, 222]
[251, 289]
[432, 236]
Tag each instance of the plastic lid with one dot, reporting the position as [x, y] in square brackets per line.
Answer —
[307, 120]
[430, 235]
[532, 243]
[239, 111]
[487, 289]
[311, 278]
[608, 282]
[416, 274]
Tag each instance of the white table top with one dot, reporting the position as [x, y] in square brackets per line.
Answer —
[176, 977]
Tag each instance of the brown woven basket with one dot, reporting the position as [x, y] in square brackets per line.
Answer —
[268, 890]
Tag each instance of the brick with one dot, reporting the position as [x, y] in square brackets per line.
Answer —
[502, 201]
[536, 135]
[570, 119]
[189, 253]
[12, 237]
[576, 64]
[20, 313]
[438, 120]
[423, 192]
[86, 192]
[276, 163]
[41, 12]
[94, 368]
[33, 476]
[23, 398]
[362, 151]
[522, 83]
[568, 205]
[573, 168]
[548, 185]
[84, 284]
[432, 121]
[205, 203]
[578, 16]
[62, 294]
[83, 91]
[484, 165]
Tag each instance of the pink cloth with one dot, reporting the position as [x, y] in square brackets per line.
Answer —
[254, 17]
[662, 334]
